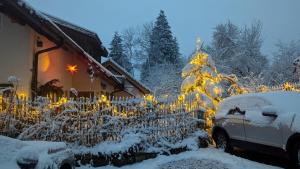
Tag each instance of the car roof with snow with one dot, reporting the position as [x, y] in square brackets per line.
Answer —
[282, 101]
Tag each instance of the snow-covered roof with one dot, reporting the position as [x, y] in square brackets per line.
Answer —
[87, 39]
[70, 25]
[41, 22]
[106, 61]
[90, 58]
[283, 101]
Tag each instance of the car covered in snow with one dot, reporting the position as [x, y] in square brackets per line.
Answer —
[35, 154]
[265, 122]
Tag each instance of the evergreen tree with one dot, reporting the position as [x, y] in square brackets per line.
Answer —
[176, 57]
[118, 55]
[201, 85]
[163, 48]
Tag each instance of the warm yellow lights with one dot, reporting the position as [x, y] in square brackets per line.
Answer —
[263, 88]
[149, 98]
[181, 98]
[63, 100]
[44, 62]
[103, 100]
[203, 91]
[288, 87]
[72, 69]
[217, 90]
[22, 94]
[200, 58]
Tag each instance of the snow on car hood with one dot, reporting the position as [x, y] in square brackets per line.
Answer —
[282, 101]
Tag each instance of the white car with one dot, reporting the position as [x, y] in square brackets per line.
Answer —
[265, 122]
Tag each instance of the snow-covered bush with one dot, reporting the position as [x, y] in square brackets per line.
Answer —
[107, 126]
[12, 80]
[92, 121]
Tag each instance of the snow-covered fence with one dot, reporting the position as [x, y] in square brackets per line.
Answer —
[89, 121]
[282, 87]
[286, 86]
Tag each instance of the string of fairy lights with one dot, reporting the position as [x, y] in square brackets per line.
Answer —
[201, 87]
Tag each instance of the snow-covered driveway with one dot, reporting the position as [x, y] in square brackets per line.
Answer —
[202, 159]
[194, 163]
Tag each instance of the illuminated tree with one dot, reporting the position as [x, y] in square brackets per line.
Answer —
[201, 86]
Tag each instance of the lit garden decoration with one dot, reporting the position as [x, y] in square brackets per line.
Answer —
[72, 69]
[201, 86]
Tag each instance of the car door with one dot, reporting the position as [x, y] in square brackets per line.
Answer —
[262, 129]
[234, 124]
[233, 121]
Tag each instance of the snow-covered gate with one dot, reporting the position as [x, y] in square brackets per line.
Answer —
[89, 121]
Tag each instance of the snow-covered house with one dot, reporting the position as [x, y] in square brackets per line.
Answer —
[38, 48]
[131, 85]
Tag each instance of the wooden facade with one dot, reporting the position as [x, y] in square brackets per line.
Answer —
[38, 48]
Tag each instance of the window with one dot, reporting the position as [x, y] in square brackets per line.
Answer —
[103, 86]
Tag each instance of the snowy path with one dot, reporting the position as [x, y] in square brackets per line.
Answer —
[202, 159]
[194, 164]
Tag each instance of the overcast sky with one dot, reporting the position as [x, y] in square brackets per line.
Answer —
[188, 18]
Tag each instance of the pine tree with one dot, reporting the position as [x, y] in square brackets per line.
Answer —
[176, 57]
[201, 85]
[162, 44]
[163, 48]
[117, 53]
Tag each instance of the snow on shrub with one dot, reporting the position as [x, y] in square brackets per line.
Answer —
[129, 140]
[12, 80]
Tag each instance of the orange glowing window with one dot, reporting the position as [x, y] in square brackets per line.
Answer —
[44, 62]
[72, 69]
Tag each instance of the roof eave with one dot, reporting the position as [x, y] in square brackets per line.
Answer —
[137, 84]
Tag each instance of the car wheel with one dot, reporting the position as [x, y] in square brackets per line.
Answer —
[295, 155]
[222, 141]
[66, 166]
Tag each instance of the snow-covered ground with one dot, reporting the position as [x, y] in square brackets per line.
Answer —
[13, 149]
[205, 158]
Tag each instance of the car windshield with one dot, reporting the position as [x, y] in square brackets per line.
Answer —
[244, 104]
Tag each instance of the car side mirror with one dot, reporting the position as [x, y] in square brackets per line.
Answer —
[270, 114]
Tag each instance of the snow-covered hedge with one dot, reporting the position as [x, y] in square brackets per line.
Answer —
[92, 121]
[99, 128]
[135, 148]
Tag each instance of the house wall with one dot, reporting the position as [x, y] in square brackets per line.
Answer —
[53, 65]
[16, 53]
[17, 48]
